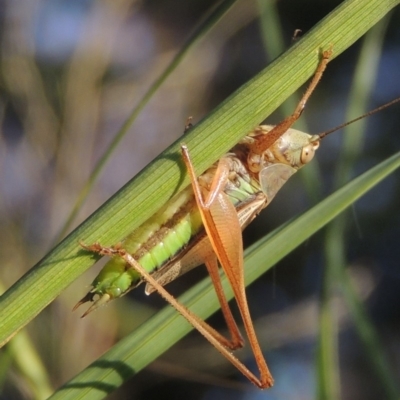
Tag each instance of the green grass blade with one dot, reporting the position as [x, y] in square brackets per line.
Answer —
[155, 336]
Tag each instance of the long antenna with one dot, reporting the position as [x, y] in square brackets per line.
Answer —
[323, 134]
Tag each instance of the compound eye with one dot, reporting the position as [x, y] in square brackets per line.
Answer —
[307, 153]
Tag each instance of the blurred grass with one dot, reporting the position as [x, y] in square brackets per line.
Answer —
[23, 356]
[246, 112]
[197, 34]
[335, 247]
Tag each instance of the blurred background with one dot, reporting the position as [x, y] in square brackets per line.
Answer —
[71, 73]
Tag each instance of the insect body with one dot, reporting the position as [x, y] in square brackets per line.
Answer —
[203, 224]
[174, 241]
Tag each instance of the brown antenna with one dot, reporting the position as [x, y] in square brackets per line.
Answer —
[323, 134]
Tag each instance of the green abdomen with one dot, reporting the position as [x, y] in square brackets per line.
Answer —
[163, 236]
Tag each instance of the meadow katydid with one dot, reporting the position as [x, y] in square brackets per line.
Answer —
[203, 224]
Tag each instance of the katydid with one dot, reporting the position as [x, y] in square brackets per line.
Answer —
[203, 224]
